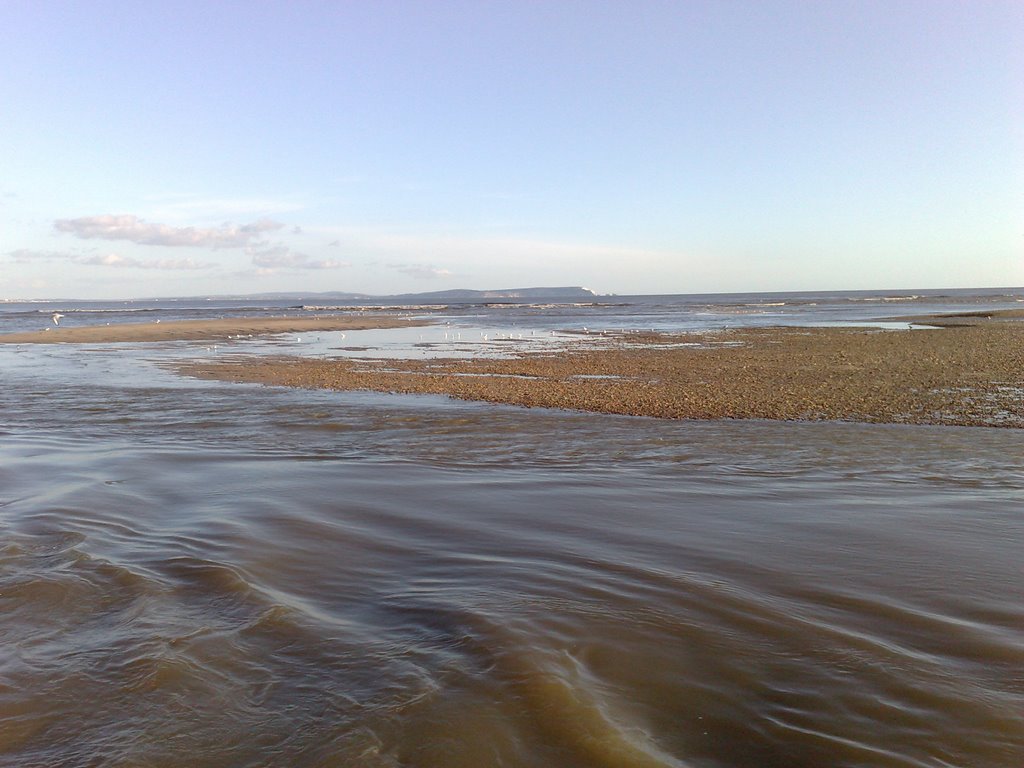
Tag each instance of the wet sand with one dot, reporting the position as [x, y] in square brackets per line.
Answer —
[963, 375]
[200, 330]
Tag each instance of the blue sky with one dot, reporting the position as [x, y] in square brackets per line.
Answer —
[187, 148]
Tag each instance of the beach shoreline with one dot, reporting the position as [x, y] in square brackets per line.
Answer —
[968, 374]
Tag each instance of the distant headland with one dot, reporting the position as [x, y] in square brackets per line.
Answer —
[455, 294]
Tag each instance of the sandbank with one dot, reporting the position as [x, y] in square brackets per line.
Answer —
[964, 375]
[201, 330]
[970, 317]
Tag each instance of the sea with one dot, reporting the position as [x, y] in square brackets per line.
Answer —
[201, 573]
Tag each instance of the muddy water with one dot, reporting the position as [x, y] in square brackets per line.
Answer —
[207, 574]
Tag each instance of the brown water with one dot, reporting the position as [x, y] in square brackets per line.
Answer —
[204, 574]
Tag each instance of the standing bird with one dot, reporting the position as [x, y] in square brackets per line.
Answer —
[56, 318]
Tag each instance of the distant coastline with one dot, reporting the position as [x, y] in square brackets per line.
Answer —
[455, 294]
[578, 293]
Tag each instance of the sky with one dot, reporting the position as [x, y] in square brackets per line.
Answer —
[197, 148]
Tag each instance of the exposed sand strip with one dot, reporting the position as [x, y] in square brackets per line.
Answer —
[201, 330]
[972, 317]
[966, 375]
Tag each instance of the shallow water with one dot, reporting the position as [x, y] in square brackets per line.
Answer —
[208, 574]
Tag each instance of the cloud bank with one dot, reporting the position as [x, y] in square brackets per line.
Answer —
[136, 230]
[127, 262]
[26, 255]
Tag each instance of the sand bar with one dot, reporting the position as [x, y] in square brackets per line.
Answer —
[971, 317]
[965, 375]
[202, 330]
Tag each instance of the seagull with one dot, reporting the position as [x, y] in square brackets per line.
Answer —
[56, 318]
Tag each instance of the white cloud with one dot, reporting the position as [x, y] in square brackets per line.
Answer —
[422, 271]
[26, 255]
[127, 262]
[280, 257]
[136, 230]
[190, 208]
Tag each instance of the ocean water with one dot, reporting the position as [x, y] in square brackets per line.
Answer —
[200, 573]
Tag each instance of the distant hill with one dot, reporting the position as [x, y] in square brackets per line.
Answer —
[457, 294]
[574, 292]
